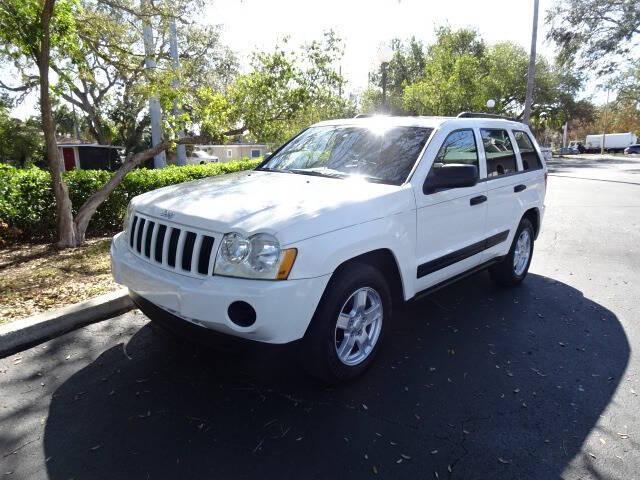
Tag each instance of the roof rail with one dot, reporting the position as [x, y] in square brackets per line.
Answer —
[363, 115]
[485, 115]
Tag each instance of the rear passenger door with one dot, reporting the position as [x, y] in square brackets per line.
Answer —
[503, 187]
[532, 176]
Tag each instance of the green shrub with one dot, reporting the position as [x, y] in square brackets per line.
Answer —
[27, 205]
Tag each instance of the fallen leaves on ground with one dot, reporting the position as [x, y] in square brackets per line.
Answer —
[36, 278]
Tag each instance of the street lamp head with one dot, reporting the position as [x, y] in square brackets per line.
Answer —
[491, 103]
[384, 53]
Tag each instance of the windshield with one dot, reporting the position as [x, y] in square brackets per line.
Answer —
[385, 156]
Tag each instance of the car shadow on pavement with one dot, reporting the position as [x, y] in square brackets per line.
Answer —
[473, 382]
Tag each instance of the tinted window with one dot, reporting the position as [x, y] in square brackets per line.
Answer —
[378, 154]
[459, 147]
[94, 158]
[530, 159]
[501, 159]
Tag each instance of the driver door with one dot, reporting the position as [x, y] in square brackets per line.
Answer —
[451, 223]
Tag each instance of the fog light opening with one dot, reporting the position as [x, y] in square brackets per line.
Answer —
[242, 314]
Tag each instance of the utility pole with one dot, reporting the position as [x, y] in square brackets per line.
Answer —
[384, 87]
[155, 112]
[604, 127]
[181, 150]
[76, 129]
[531, 72]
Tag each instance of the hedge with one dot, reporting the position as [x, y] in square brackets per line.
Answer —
[27, 207]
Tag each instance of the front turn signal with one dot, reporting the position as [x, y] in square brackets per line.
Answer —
[286, 264]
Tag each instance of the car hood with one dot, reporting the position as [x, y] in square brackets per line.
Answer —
[291, 206]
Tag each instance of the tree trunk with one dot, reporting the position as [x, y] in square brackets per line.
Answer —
[66, 236]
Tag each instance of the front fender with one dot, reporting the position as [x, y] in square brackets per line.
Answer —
[323, 254]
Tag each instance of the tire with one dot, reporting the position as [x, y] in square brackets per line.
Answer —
[507, 273]
[319, 348]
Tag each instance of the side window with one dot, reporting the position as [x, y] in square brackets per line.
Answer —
[501, 159]
[530, 159]
[459, 147]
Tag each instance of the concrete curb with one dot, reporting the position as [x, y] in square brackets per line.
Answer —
[27, 332]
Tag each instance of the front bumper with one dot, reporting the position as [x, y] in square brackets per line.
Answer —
[283, 308]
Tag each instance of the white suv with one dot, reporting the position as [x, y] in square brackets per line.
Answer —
[342, 223]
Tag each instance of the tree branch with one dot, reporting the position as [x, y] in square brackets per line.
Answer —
[21, 88]
[92, 203]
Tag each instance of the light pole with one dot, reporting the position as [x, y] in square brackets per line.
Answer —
[384, 56]
[155, 111]
[181, 150]
[531, 72]
[604, 127]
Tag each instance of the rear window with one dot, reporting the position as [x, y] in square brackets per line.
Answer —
[501, 158]
[530, 158]
[376, 153]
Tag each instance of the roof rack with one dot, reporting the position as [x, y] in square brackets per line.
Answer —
[485, 115]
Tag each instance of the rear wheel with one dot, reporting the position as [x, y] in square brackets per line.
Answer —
[348, 326]
[514, 267]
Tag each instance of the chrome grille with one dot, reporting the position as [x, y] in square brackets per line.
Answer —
[174, 247]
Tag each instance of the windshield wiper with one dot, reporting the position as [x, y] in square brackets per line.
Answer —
[325, 172]
[267, 169]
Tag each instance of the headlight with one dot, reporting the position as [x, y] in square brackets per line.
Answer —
[258, 256]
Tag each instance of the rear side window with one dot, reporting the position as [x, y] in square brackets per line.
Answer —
[501, 158]
[459, 147]
[530, 158]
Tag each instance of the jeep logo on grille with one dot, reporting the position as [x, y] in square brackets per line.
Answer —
[167, 213]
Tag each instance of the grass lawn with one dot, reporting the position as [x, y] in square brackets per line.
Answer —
[35, 278]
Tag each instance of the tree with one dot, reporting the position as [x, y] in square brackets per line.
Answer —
[20, 141]
[454, 68]
[460, 72]
[31, 29]
[283, 86]
[35, 31]
[594, 33]
[285, 90]
[405, 68]
[108, 82]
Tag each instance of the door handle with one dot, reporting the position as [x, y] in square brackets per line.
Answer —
[477, 200]
[519, 188]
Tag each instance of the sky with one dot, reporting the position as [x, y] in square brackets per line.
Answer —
[248, 25]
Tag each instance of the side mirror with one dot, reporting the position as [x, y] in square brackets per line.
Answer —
[452, 175]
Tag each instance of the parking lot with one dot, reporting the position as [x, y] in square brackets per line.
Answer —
[473, 382]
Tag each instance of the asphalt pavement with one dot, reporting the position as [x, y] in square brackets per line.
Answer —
[538, 382]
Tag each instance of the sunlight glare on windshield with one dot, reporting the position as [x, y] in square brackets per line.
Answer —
[378, 125]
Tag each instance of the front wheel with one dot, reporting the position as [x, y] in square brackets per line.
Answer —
[348, 326]
[514, 267]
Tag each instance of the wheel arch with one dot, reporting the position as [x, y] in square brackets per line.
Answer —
[533, 215]
[386, 262]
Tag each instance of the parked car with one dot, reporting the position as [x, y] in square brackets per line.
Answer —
[327, 237]
[201, 157]
[632, 149]
[571, 150]
[577, 145]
